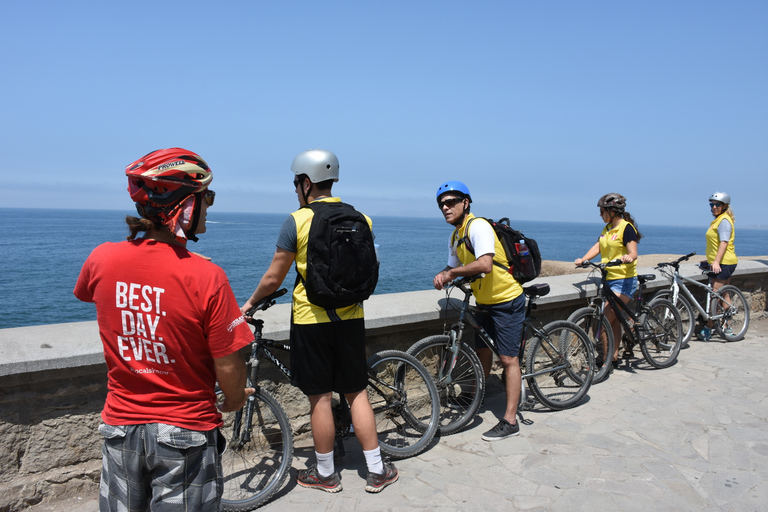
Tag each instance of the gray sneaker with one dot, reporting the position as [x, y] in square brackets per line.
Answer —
[311, 478]
[376, 482]
[502, 430]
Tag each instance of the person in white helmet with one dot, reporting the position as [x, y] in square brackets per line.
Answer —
[327, 344]
[721, 254]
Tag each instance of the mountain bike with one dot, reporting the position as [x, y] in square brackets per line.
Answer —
[259, 438]
[655, 326]
[557, 366]
[727, 307]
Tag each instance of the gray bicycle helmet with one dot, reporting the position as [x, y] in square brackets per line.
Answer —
[721, 197]
[613, 200]
[317, 164]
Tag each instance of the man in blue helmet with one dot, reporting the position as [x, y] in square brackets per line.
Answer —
[498, 294]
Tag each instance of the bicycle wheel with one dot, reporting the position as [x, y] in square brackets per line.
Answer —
[560, 365]
[259, 452]
[404, 401]
[661, 333]
[460, 388]
[687, 313]
[734, 308]
[600, 337]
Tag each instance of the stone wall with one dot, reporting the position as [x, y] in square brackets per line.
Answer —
[49, 406]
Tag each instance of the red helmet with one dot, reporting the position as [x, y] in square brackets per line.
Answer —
[164, 178]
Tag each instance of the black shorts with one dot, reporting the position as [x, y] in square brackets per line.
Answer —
[329, 357]
[726, 271]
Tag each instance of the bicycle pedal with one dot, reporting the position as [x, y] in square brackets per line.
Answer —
[528, 405]
[627, 354]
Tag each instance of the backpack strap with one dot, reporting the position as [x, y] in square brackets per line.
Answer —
[465, 240]
[333, 316]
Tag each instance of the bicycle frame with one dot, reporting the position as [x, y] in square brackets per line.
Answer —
[679, 286]
[617, 304]
[466, 316]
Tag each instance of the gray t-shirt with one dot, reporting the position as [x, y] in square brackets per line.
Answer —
[724, 230]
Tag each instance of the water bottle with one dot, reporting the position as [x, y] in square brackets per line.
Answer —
[525, 258]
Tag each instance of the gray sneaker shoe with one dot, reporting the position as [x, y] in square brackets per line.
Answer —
[502, 430]
[311, 478]
[376, 482]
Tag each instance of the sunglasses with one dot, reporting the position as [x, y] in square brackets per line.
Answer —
[450, 202]
[209, 196]
[715, 205]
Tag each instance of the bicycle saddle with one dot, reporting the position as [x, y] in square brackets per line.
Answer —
[536, 290]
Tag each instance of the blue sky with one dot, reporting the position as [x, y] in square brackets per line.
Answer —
[539, 106]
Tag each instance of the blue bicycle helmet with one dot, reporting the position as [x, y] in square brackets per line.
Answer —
[453, 186]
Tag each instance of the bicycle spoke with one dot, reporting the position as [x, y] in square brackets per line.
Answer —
[258, 455]
[560, 364]
[404, 401]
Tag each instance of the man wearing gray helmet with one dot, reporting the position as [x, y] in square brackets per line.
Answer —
[327, 345]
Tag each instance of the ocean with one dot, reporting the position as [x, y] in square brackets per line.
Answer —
[43, 250]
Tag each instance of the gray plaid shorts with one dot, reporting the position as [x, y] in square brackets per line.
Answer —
[161, 467]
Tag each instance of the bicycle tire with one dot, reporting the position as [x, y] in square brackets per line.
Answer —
[560, 362]
[405, 403]
[257, 460]
[686, 310]
[461, 392]
[661, 333]
[586, 318]
[735, 316]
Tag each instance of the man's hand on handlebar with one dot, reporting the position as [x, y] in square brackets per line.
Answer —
[230, 406]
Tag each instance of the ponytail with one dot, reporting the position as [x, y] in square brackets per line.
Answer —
[136, 225]
[627, 217]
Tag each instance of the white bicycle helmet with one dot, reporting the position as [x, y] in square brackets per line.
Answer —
[317, 164]
[721, 197]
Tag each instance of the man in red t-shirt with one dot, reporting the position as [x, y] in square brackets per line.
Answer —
[171, 328]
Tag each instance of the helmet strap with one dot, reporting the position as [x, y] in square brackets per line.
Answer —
[195, 220]
[304, 194]
[464, 214]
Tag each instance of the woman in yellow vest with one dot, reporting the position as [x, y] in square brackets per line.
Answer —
[617, 241]
[721, 255]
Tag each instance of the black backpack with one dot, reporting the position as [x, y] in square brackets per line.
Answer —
[342, 268]
[523, 267]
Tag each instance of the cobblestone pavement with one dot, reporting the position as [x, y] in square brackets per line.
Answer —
[690, 437]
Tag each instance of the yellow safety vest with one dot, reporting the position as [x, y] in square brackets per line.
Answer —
[495, 288]
[612, 247]
[713, 242]
[304, 312]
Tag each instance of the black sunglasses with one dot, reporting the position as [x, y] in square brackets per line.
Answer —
[450, 202]
[715, 205]
[209, 196]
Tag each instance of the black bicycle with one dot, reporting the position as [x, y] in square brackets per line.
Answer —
[259, 437]
[557, 363]
[655, 326]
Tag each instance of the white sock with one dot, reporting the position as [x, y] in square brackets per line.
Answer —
[373, 460]
[325, 464]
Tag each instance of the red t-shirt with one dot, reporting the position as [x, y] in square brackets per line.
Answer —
[164, 314]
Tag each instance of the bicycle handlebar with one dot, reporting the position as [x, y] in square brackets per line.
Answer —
[461, 281]
[600, 266]
[266, 302]
[677, 262]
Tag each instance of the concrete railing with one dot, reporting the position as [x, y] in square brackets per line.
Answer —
[53, 377]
